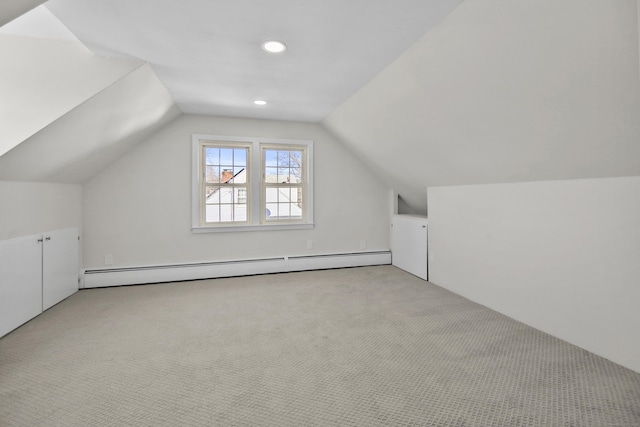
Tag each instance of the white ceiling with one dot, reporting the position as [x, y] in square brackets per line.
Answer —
[38, 22]
[207, 52]
[10, 10]
[499, 91]
[97, 131]
[502, 92]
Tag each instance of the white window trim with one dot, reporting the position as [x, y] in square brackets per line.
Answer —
[255, 191]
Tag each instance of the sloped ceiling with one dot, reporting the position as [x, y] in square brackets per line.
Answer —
[504, 91]
[500, 91]
[43, 79]
[65, 111]
[10, 10]
[95, 133]
[39, 22]
[208, 52]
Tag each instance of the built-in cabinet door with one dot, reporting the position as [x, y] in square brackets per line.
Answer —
[409, 244]
[59, 266]
[20, 281]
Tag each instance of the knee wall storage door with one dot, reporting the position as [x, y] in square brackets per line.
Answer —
[20, 281]
[36, 272]
[59, 266]
[409, 244]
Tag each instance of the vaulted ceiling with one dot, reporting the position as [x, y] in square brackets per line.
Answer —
[208, 53]
[110, 72]
[12, 10]
[503, 92]
[426, 93]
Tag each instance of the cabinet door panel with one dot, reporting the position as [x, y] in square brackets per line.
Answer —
[20, 281]
[409, 245]
[60, 266]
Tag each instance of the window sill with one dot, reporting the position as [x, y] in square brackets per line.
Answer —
[258, 227]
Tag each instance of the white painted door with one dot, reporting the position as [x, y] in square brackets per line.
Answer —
[409, 244]
[20, 281]
[59, 266]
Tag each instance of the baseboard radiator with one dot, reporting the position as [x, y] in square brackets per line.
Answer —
[97, 278]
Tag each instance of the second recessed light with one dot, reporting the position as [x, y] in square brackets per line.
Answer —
[260, 102]
[274, 46]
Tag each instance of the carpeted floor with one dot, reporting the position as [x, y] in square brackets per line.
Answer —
[369, 346]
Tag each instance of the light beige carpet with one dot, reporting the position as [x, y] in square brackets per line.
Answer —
[370, 346]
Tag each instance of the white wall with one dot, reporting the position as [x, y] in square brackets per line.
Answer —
[561, 256]
[139, 208]
[33, 207]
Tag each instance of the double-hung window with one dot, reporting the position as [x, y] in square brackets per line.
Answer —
[224, 183]
[242, 184]
[283, 183]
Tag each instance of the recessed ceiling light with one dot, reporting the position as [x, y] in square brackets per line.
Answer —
[260, 102]
[274, 46]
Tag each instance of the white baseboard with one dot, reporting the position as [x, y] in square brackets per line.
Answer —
[97, 278]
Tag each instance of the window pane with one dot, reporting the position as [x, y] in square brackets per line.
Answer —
[212, 174]
[226, 175]
[296, 175]
[212, 195]
[284, 210]
[272, 211]
[226, 213]
[295, 159]
[226, 157]
[296, 210]
[283, 158]
[212, 156]
[225, 195]
[283, 175]
[272, 195]
[284, 195]
[284, 203]
[240, 212]
[226, 204]
[240, 157]
[296, 195]
[271, 175]
[237, 191]
[239, 176]
[270, 158]
[242, 196]
[212, 213]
